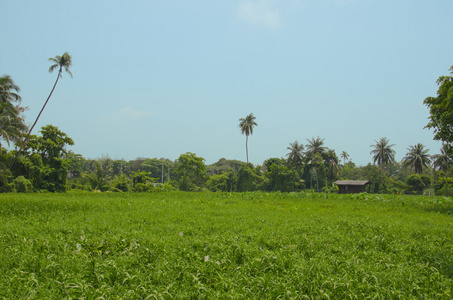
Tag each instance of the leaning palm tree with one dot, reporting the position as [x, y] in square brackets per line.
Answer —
[315, 145]
[383, 152]
[246, 125]
[60, 62]
[295, 154]
[417, 158]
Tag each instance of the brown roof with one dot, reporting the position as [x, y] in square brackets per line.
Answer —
[351, 182]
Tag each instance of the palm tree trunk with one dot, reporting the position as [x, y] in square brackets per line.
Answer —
[36, 121]
[246, 147]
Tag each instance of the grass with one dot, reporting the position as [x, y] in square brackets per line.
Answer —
[229, 245]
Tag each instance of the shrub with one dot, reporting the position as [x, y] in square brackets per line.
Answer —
[22, 185]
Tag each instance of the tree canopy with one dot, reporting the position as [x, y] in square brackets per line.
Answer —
[441, 109]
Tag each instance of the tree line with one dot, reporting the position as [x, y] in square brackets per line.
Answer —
[43, 163]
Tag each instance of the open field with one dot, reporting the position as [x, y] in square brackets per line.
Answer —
[207, 245]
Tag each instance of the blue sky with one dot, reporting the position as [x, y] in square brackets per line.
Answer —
[161, 78]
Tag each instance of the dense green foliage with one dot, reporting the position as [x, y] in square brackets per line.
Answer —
[225, 245]
[440, 108]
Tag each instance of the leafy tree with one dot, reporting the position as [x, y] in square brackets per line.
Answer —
[121, 183]
[191, 170]
[246, 179]
[379, 182]
[142, 181]
[444, 186]
[219, 183]
[60, 63]
[417, 158]
[246, 125]
[383, 152]
[224, 166]
[417, 182]
[47, 163]
[440, 109]
[280, 178]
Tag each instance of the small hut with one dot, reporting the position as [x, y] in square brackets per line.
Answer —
[351, 186]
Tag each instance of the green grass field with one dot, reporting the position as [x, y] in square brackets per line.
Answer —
[207, 245]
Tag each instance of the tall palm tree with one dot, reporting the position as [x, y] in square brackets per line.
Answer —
[383, 152]
[246, 125]
[295, 154]
[443, 160]
[315, 145]
[344, 155]
[60, 62]
[417, 158]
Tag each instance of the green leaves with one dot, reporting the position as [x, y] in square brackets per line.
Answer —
[441, 109]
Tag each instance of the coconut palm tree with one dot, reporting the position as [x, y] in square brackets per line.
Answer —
[383, 152]
[11, 124]
[60, 62]
[295, 154]
[8, 90]
[344, 155]
[315, 145]
[443, 160]
[417, 158]
[246, 125]
[11, 121]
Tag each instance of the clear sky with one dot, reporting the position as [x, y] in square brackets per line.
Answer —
[161, 78]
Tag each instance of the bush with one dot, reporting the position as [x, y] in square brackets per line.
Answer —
[22, 185]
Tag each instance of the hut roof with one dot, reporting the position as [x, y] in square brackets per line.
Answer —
[351, 182]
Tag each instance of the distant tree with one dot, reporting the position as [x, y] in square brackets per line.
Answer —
[192, 171]
[246, 179]
[11, 121]
[383, 152]
[280, 178]
[417, 158]
[417, 182]
[46, 162]
[246, 125]
[9, 90]
[100, 178]
[295, 155]
[443, 160]
[345, 156]
[333, 169]
[60, 62]
[315, 162]
[440, 108]
[315, 145]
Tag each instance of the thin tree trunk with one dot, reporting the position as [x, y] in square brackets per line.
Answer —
[246, 147]
[36, 121]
